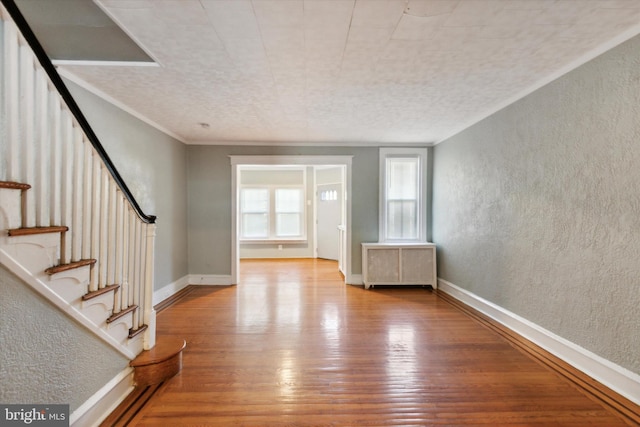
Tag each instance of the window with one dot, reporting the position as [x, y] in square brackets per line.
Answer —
[402, 195]
[289, 209]
[254, 208]
[272, 213]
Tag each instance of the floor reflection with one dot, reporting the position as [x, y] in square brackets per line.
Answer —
[402, 356]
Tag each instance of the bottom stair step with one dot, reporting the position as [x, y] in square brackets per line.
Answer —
[160, 363]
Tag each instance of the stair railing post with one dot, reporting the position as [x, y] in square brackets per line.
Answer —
[11, 95]
[149, 312]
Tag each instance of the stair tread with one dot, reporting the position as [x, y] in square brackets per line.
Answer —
[99, 292]
[121, 313]
[165, 349]
[70, 266]
[14, 185]
[26, 231]
[133, 333]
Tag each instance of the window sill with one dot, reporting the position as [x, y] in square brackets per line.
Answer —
[273, 241]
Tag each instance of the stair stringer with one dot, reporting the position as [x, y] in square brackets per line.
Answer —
[130, 350]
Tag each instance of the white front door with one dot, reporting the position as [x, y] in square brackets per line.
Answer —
[329, 219]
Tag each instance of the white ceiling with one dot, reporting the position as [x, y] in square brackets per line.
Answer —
[345, 71]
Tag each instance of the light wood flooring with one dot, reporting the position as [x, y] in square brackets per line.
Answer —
[291, 345]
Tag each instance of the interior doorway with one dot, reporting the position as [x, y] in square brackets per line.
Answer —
[329, 220]
[341, 217]
[330, 207]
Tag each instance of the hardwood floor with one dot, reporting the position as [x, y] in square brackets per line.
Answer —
[291, 345]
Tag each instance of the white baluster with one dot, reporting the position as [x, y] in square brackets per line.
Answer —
[95, 221]
[126, 243]
[87, 201]
[111, 234]
[76, 212]
[55, 171]
[66, 193]
[42, 143]
[119, 251]
[103, 260]
[11, 100]
[132, 256]
[26, 130]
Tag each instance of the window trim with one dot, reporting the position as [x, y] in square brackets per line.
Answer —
[272, 214]
[421, 154]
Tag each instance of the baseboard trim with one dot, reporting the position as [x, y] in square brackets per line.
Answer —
[614, 385]
[98, 407]
[210, 279]
[170, 289]
[167, 302]
[164, 296]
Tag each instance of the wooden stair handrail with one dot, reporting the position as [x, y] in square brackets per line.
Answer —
[57, 81]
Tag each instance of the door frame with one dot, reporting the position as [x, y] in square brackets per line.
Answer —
[237, 161]
[343, 211]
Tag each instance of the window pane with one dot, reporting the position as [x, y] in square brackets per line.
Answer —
[255, 225]
[288, 225]
[254, 200]
[402, 197]
[288, 200]
[254, 206]
[402, 178]
[402, 219]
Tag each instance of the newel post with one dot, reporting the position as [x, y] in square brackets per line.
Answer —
[149, 312]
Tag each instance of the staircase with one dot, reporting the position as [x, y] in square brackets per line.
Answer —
[70, 226]
[36, 255]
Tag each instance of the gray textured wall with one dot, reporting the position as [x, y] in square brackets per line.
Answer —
[45, 356]
[537, 208]
[209, 180]
[153, 165]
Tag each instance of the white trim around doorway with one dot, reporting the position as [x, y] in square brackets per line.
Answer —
[237, 161]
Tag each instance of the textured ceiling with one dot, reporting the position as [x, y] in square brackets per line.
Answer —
[344, 71]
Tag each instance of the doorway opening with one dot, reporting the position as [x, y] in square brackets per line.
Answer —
[291, 207]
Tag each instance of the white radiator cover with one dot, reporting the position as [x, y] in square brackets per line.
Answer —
[399, 264]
